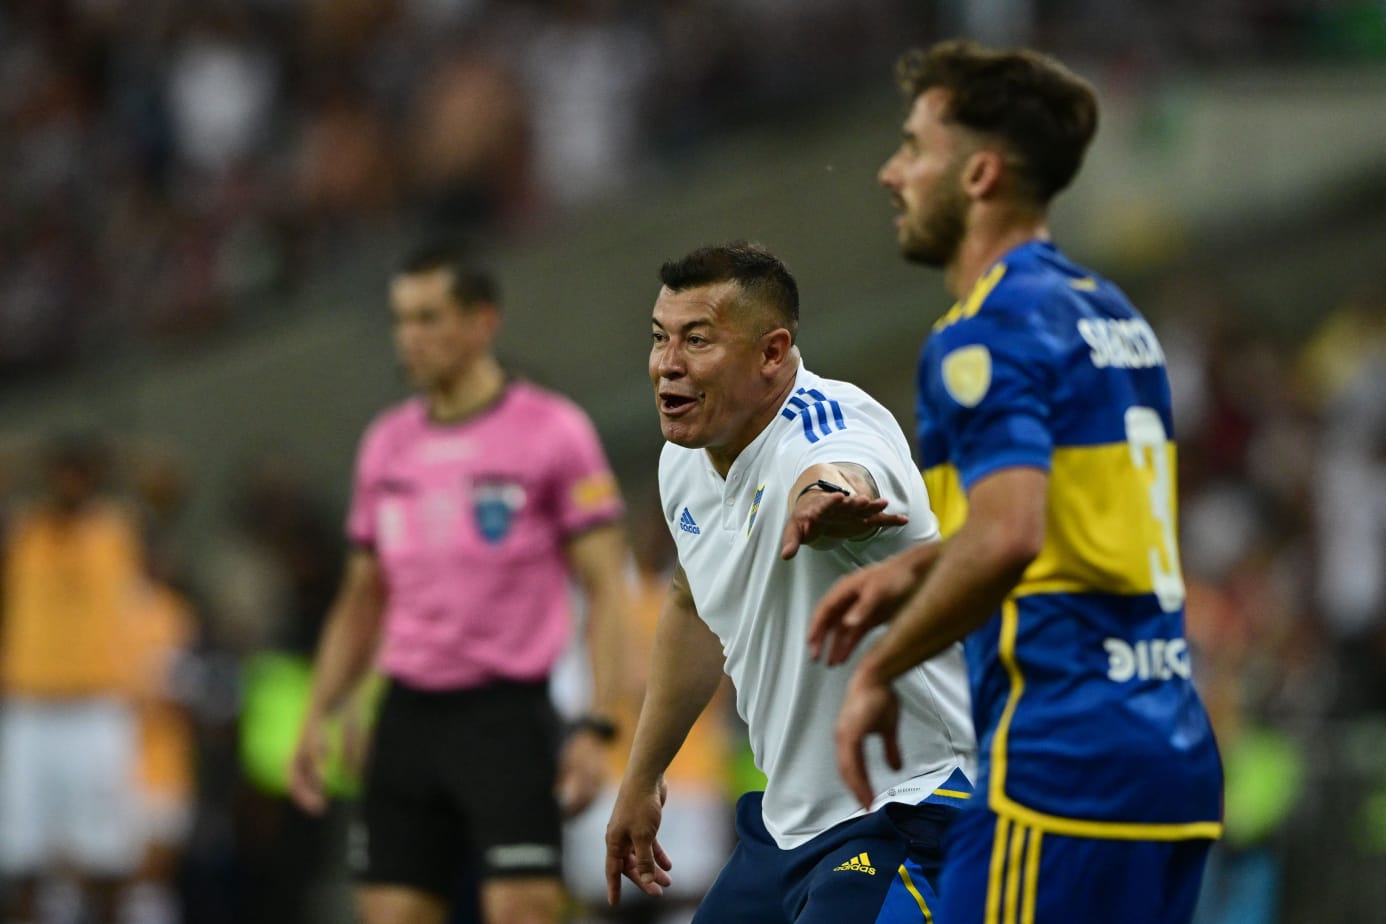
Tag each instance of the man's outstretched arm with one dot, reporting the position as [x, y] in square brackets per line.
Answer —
[686, 664]
[833, 501]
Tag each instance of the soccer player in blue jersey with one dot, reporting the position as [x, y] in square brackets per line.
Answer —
[1045, 432]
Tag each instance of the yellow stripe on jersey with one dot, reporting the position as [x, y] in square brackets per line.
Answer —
[1010, 621]
[1002, 805]
[1014, 881]
[1032, 866]
[946, 497]
[996, 873]
[1013, 866]
[913, 889]
[1099, 530]
[970, 305]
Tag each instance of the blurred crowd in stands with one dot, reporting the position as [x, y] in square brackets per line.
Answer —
[1283, 527]
[163, 165]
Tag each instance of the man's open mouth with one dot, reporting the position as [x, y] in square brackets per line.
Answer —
[671, 403]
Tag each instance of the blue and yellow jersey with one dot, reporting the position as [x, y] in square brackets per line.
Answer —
[1087, 721]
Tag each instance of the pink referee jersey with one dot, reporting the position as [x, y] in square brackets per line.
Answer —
[468, 521]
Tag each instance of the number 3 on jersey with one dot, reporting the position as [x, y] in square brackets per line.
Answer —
[1145, 434]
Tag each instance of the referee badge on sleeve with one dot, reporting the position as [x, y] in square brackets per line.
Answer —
[967, 374]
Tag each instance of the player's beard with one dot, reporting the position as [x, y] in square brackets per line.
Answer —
[934, 238]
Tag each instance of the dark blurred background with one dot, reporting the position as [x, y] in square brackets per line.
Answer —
[200, 205]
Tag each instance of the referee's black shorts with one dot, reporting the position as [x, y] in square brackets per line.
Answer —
[459, 778]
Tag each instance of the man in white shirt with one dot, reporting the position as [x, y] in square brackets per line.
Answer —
[764, 458]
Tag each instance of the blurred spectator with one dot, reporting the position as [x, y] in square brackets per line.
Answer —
[37, 304]
[167, 690]
[1265, 770]
[274, 571]
[469, 144]
[163, 637]
[1346, 365]
[221, 86]
[587, 69]
[160, 482]
[344, 167]
[1352, 337]
[73, 572]
[268, 585]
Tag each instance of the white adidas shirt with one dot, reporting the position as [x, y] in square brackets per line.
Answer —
[728, 536]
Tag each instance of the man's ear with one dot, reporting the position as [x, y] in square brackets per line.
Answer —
[777, 347]
[488, 317]
[983, 172]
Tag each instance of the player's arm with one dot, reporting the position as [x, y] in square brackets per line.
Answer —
[686, 665]
[834, 501]
[975, 571]
[864, 599]
[597, 558]
[345, 653]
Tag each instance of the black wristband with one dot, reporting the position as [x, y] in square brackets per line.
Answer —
[827, 486]
[604, 729]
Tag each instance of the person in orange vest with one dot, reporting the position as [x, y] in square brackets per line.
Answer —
[72, 568]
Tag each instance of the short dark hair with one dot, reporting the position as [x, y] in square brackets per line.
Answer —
[471, 285]
[1044, 112]
[763, 277]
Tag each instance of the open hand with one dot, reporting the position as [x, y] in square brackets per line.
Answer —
[869, 707]
[822, 515]
[864, 599]
[632, 850]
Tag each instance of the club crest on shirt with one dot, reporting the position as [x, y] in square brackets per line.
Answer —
[755, 509]
[967, 374]
[495, 502]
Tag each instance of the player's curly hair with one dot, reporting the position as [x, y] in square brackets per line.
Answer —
[1043, 112]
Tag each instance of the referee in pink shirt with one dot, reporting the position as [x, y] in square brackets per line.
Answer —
[474, 505]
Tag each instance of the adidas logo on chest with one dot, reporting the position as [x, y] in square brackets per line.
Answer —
[687, 524]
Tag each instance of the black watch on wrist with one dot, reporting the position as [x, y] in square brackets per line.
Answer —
[825, 486]
[604, 729]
